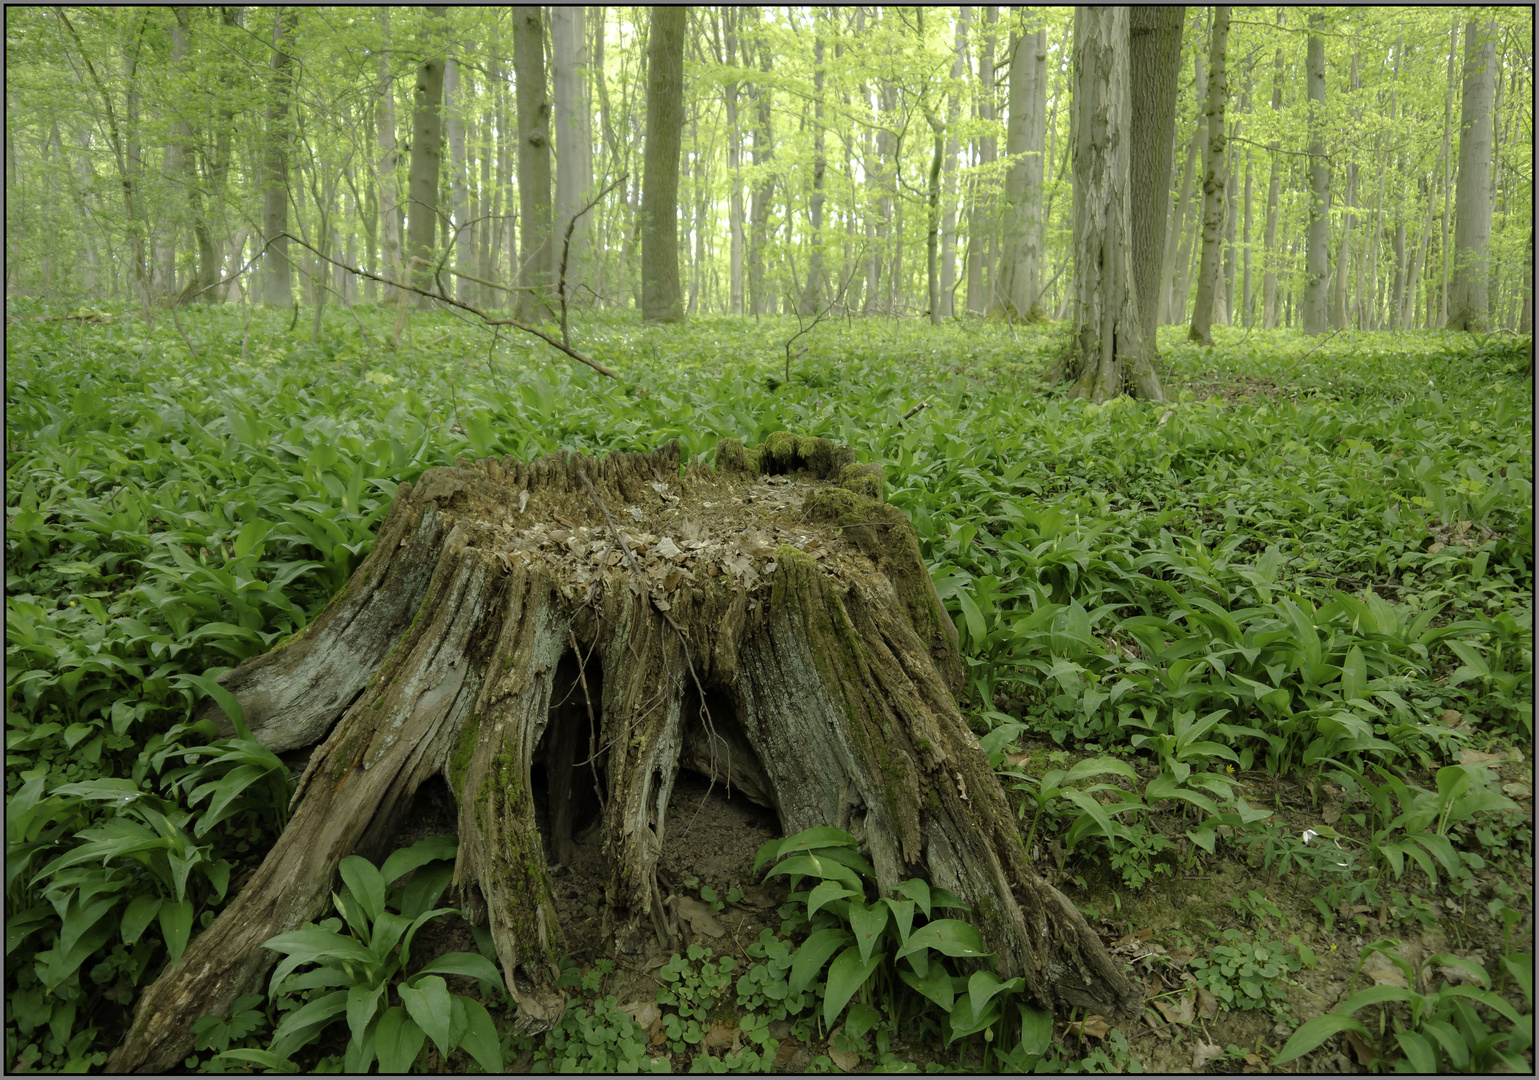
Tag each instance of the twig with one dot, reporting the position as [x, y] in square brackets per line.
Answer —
[1301, 359]
[487, 319]
[566, 248]
[176, 322]
[914, 411]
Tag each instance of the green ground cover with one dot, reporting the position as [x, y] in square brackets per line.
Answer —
[1297, 595]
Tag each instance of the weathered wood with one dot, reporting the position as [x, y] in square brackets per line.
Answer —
[589, 626]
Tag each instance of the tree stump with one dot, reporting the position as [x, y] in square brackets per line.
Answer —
[589, 626]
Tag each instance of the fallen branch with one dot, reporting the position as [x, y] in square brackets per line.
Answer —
[566, 248]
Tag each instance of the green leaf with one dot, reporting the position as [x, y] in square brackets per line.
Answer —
[820, 836]
[222, 697]
[1354, 675]
[427, 1001]
[917, 890]
[366, 883]
[1418, 1052]
[362, 1003]
[1315, 1031]
[814, 866]
[302, 1025]
[867, 923]
[397, 1040]
[973, 618]
[827, 892]
[902, 915]
[480, 1039]
[935, 984]
[847, 974]
[983, 986]
[176, 925]
[812, 954]
[464, 963]
[950, 937]
[405, 860]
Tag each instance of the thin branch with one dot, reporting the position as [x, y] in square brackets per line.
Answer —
[487, 319]
[566, 248]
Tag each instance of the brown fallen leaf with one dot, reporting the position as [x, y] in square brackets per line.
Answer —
[1451, 717]
[644, 1013]
[1476, 757]
[1203, 1053]
[655, 1034]
[1094, 1025]
[1182, 956]
[1178, 1011]
[722, 1033]
[699, 917]
[1383, 971]
[1360, 1048]
[1207, 1004]
[1517, 791]
[1435, 548]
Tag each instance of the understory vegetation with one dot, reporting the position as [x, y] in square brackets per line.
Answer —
[1282, 622]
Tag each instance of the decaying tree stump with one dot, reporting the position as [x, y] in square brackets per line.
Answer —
[589, 625]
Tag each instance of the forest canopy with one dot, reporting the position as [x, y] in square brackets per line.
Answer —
[151, 152]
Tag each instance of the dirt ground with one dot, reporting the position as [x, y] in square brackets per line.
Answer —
[1159, 929]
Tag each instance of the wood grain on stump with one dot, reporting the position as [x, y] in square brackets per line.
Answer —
[586, 626]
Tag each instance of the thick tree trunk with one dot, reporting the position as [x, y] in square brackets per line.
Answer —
[954, 190]
[574, 147]
[1469, 306]
[768, 621]
[277, 279]
[1016, 292]
[812, 295]
[1108, 350]
[730, 92]
[1154, 65]
[534, 278]
[661, 298]
[422, 176]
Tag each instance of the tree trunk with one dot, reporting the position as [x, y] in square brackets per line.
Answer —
[574, 146]
[533, 163]
[759, 299]
[455, 96]
[385, 168]
[1154, 65]
[1274, 177]
[1214, 182]
[819, 682]
[422, 176]
[729, 18]
[1016, 291]
[1181, 275]
[982, 223]
[1469, 303]
[661, 299]
[812, 296]
[954, 189]
[1108, 347]
[1317, 257]
[277, 277]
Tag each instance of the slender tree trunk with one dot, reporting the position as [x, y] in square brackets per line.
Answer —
[574, 145]
[277, 277]
[387, 164]
[426, 156]
[1154, 65]
[175, 162]
[812, 298]
[1019, 272]
[1448, 100]
[953, 194]
[455, 96]
[534, 254]
[1469, 301]
[1407, 311]
[1180, 279]
[1109, 353]
[730, 90]
[759, 294]
[932, 216]
[1274, 176]
[1214, 182]
[660, 294]
[1317, 258]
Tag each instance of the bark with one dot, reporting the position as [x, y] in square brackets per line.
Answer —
[1154, 64]
[830, 675]
[948, 229]
[1342, 275]
[661, 298]
[574, 147]
[1108, 350]
[1317, 256]
[812, 297]
[534, 256]
[455, 96]
[759, 299]
[387, 163]
[1215, 181]
[1181, 276]
[1274, 177]
[932, 216]
[730, 91]
[982, 221]
[1176, 248]
[277, 275]
[1469, 306]
[1017, 288]
[426, 157]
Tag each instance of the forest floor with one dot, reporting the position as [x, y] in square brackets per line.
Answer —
[1255, 665]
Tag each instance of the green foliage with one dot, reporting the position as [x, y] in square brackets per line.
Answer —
[346, 968]
[1455, 1028]
[1251, 974]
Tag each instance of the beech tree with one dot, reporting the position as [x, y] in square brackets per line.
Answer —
[534, 250]
[661, 298]
[1214, 181]
[1469, 302]
[1318, 265]
[1154, 66]
[1109, 352]
[426, 155]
